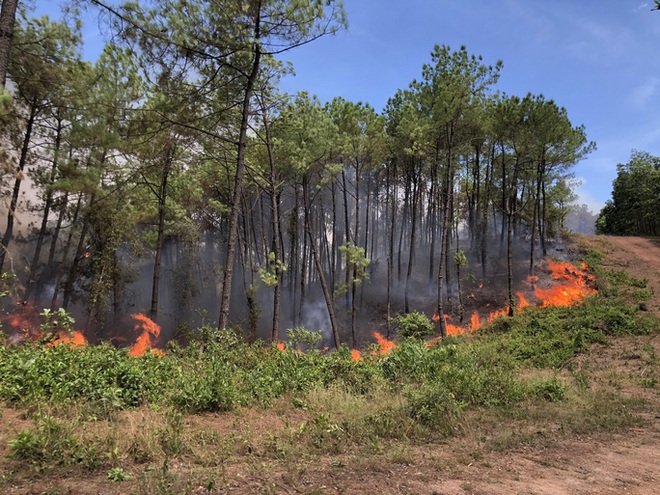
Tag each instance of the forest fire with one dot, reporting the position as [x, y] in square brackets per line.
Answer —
[74, 339]
[147, 338]
[569, 285]
[385, 346]
[27, 324]
[22, 324]
[571, 288]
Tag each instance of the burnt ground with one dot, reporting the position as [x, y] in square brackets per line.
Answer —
[530, 456]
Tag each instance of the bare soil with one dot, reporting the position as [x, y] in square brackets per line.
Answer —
[522, 457]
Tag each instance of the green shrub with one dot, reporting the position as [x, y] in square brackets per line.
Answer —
[51, 442]
[434, 406]
[416, 325]
[301, 336]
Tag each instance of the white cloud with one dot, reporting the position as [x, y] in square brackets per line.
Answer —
[643, 93]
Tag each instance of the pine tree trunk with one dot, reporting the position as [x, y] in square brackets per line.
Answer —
[225, 303]
[11, 214]
[44, 219]
[411, 252]
[275, 332]
[160, 239]
[324, 286]
[61, 269]
[7, 20]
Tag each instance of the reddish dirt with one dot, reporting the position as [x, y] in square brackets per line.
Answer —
[638, 256]
[549, 462]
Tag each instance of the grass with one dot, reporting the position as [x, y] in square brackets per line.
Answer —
[184, 422]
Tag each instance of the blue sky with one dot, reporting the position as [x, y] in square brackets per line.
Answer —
[598, 59]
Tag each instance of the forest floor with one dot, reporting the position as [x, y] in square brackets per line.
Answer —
[532, 453]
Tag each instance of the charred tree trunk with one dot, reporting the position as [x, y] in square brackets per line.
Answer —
[444, 246]
[303, 264]
[293, 255]
[404, 226]
[347, 226]
[433, 217]
[391, 205]
[511, 214]
[543, 226]
[58, 228]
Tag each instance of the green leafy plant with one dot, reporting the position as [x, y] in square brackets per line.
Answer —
[270, 275]
[415, 325]
[300, 335]
[119, 474]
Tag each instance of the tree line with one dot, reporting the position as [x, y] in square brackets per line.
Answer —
[178, 136]
[635, 205]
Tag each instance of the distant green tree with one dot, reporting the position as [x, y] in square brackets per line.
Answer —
[635, 202]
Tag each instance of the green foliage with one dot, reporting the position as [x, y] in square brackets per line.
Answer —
[357, 262]
[460, 260]
[51, 443]
[270, 276]
[55, 320]
[434, 406]
[301, 335]
[552, 390]
[635, 202]
[415, 325]
[118, 474]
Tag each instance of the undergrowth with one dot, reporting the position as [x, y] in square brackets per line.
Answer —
[415, 392]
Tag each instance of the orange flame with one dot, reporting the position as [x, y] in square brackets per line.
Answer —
[523, 303]
[474, 320]
[386, 346]
[356, 355]
[74, 339]
[571, 287]
[147, 339]
[280, 346]
[22, 324]
[454, 329]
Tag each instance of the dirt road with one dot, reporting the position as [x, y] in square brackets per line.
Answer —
[638, 256]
